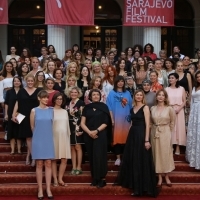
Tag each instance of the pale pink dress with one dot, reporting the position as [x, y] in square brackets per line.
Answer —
[175, 100]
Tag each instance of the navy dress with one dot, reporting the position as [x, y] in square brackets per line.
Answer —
[42, 141]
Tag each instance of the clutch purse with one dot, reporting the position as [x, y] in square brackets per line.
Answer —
[20, 118]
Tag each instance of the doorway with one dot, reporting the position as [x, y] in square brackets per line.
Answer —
[27, 27]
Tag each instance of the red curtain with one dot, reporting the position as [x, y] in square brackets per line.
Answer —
[3, 11]
[69, 12]
[148, 13]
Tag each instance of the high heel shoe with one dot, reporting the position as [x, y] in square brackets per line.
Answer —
[33, 163]
[28, 161]
[40, 198]
[101, 183]
[49, 197]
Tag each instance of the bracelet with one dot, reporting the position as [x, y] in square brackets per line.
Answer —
[97, 130]
[146, 141]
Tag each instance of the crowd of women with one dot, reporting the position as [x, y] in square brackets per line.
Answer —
[136, 102]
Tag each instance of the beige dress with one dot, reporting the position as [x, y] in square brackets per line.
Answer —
[162, 126]
[175, 100]
[61, 134]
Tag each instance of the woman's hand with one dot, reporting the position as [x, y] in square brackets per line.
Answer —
[147, 145]
[6, 117]
[93, 134]
[14, 119]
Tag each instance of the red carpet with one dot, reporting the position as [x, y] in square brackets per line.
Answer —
[104, 197]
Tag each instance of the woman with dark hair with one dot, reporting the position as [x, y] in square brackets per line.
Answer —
[61, 138]
[79, 59]
[26, 100]
[162, 125]
[14, 62]
[49, 85]
[51, 49]
[22, 71]
[138, 47]
[149, 51]
[84, 81]
[121, 67]
[74, 109]
[13, 128]
[41, 122]
[26, 53]
[40, 80]
[149, 95]
[177, 99]
[12, 54]
[141, 71]
[59, 83]
[96, 124]
[169, 66]
[67, 58]
[6, 80]
[137, 171]
[108, 80]
[186, 61]
[155, 85]
[193, 133]
[75, 48]
[129, 54]
[119, 102]
[95, 83]
[89, 54]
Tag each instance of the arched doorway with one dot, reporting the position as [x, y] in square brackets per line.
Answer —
[27, 27]
[107, 33]
[182, 34]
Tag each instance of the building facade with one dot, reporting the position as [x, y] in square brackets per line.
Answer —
[27, 29]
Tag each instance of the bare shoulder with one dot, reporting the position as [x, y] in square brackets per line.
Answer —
[1, 78]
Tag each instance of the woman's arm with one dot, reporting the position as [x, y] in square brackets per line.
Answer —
[86, 129]
[112, 118]
[172, 119]
[147, 123]
[15, 112]
[6, 112]
[184, 101]
[32, 119]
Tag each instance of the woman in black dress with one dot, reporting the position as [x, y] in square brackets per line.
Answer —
[13, 128]
[137, 169]
[96, 123]
[84, 81]
[26, 100]
[74, 109]
[59, 83]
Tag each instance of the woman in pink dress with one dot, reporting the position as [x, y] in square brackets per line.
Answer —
[177, 99]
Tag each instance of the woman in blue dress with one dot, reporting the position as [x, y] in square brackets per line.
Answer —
[41, 121]
[119, 102]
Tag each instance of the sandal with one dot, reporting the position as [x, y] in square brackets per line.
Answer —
[73, 172]
[55, 184]
[62, 184]
[78, 172]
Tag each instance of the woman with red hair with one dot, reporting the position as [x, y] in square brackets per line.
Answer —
[108, 81]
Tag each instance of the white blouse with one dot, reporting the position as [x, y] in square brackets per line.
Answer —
[107, 87]
[5, 83]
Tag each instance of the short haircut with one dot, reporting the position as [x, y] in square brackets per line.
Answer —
[177, 77]
[80, 94]
[43, 94]
[56, 95]
[91, 92]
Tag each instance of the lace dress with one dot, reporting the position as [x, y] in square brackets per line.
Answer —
[193, 133]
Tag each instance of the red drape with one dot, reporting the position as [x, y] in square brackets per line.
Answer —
[148, 13]
[69, 12]
[3, 11]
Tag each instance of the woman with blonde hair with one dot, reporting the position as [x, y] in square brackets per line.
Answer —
[51, 66]
[137, 170]
[79, 59]
[35, 65]
[73, 69]
[162, 126]
[74, 109]
[97, 70]
[40, 80]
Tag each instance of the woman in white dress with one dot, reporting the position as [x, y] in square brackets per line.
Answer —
[193, 132]
[61, 136]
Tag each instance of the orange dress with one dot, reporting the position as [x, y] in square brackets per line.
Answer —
[155, 87]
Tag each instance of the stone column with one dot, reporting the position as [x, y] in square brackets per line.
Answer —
[56, 37]
[138, 35]
[153, 35]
